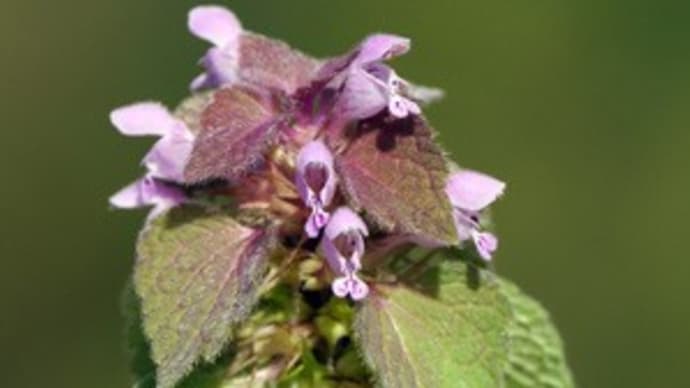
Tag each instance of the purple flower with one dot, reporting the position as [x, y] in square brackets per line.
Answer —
[221, 28]
[470, 192]
[343, 245]
[148, 191]
[165, 161]
[368, 86]
[316, 182]
[167, 158]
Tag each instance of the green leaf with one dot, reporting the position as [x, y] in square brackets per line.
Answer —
[536, 357]
[395, 172]
[197, 274]
[453, 337]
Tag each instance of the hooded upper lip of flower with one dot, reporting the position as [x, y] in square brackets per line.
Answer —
[316, 182]
[343, 246]
[164, 162]
[373, 49]
[470, 192]
[221, 28]
[366, 84]
[167, 157]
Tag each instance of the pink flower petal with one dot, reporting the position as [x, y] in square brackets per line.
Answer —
[215, 24]
[358, 289]
[143, 119]
[316, 221]
[148, 191]
[486, 244]
[129, 197]
[463, 228]
[316, 152]
[363, 95]
[341, 287]
[353, 286]
[397, 106]
[380, 47]
[168, 157]
[343, 220]
[202, 81]
[335, 260]
[473, 191]
[221, 66]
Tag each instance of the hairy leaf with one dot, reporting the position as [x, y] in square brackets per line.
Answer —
[536, 357]
[196, 274]
[453, 338]
[272, 64]
[395, 172]
[238, 127]
[142, 366]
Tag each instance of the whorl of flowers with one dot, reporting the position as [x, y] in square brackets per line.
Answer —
[302, 108]
[280, 163]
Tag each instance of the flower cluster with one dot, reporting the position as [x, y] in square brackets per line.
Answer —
[345, 131]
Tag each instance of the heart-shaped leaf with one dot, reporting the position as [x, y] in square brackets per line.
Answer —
[453, 338]
[197, 274]
[393, 170]
[237, 129]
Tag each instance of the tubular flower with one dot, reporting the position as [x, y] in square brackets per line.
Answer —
[268, 187]
[316, 182]
[167, 158]
[164, 162]
[343, 245]
[470, 192]
[148, 191]
[368, 86]
[221, 28]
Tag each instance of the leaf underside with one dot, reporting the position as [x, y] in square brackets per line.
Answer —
[196, 274]
[237, 129]
[395, 172]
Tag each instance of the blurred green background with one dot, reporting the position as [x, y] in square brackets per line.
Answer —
[582, 106]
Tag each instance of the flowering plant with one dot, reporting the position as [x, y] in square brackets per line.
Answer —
[307, 230]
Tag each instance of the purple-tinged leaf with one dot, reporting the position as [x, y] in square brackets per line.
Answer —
[237, 129]
[272, 64]
[240, 57]
[197, 274]
[394, 172]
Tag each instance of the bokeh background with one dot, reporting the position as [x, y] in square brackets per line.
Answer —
[582, 106]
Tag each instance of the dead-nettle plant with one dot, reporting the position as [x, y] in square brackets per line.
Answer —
[308, 230]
